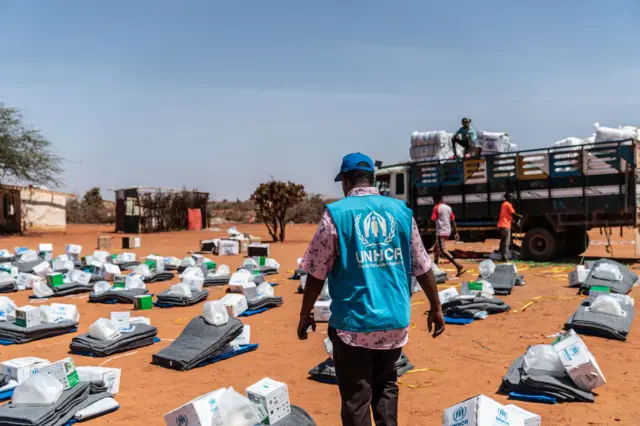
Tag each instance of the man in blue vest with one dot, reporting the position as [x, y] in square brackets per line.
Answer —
[368, 247]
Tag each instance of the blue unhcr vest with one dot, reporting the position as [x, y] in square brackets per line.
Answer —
[370, 283]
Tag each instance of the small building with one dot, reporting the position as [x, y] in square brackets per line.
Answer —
[25, 209]
[144, 209]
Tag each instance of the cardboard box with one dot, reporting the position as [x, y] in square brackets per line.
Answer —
[110, 377]
[235, 304]
[208, 266]
[448, 294]
[20, 369]
[110, 271]
[322, 310]
[577, 276]
[273, 397]
[27, 280]
[579, 363]
[28, 316]
[104, 242]
[55, 280]
[202, 411]
[119, 281]
[45, 251]
[42, 269]
[130, 242]
[66, 311]
[80, 277]
[63, 371]
[122, 320]
[258, 250]
[143, 302]
[244, 338]
[530, 419]
[207, 246]
[73, 249]
[481, 411]
[228, 247]
[238, 280]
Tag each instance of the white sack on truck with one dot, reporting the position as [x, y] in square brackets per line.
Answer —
[432, 146]
[570, 141]
[610, 134]
[494, 142]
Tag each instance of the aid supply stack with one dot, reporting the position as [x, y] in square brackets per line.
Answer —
[149, 271]
[206, 339]
[437, 145]
[484, 411]
[494, 142]
[103, 292]
[609, 273]
[24, 324]
[502, 277]
[609, 134]
[105, 338]
[221, 276]
[604, 315]
[181, 294]
[264, 299]
[562, 372]
[8, 283]
[265, 265]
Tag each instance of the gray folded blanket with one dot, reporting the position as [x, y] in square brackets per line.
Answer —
[264, 302]
[27, 267]
[198, 342]
[215, 281]
[71, 288]
[562, 388]
[196, 297]
[58, 414]
[467, 308]
[599, 324]
[16, 334]
[117, 296]
[623, 286]
[298, 417]
[326, 370]
[503, 279]
[158, 277]
[8, 286]
[142, 335]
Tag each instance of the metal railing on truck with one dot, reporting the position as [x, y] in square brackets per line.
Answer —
[597, 177]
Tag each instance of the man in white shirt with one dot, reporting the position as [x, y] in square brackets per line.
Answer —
[445, 223]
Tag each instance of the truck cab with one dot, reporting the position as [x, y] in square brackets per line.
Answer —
[394, 182]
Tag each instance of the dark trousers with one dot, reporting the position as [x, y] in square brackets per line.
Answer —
[441, 250]
[367, 379]
[505, 243]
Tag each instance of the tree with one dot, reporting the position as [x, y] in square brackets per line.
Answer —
[25, 155]
[91, 209]
[273, 199]
[93, 198]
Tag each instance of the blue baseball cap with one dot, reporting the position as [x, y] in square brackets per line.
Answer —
[355, 161]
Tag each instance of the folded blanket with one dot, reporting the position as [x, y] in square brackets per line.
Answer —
[216, 280]
[72, 288]
[563, 389]
[326, 371]
[11, 333]
[264, 302]
[584, 321]
[298, 417]
[198, 342]
[164, 299]
[117, 296]
[141, 335]
[126, 265]
[8, 287]
[503, 279]
[158, 277]
[27, 267]
[468, 308]
[623, 286]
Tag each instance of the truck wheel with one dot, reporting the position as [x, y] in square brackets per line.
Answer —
[539, 245]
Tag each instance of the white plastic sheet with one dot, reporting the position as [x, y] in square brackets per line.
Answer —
[101, 287]
[487, 268]
[104, 329]
[180, 290]
[607, 272]
[39, 390]
[238, 410]
[265, 289]
[543, 360]
[7, 308]
[606, 304]
[133, 282]
[215, 313]
[41, 290]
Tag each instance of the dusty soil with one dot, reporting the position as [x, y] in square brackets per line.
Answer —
[466, 360]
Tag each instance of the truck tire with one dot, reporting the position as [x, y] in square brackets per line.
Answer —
[576, 243]
[539, 245]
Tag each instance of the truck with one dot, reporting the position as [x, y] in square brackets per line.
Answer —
[561, 192]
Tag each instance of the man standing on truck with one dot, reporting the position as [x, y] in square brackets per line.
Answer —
[504, 225]
[445, 223]
[466, 137]
[368, 246]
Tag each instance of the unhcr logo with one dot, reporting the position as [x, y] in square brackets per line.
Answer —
[460, 416]
[376, 234]
[572, 351]
[182, 420]
[503, 417]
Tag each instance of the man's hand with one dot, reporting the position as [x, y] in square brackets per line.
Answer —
[306, 321]
[435, 321]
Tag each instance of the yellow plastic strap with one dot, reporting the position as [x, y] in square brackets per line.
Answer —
[418, 302]
[412, 325]
[419, 370]
[179, 320]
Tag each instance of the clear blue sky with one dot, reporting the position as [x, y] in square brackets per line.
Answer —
[221, 95]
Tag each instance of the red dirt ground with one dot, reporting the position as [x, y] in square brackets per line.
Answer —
[466, 360]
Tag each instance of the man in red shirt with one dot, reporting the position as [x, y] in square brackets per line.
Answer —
[445, 224]
[504, 225]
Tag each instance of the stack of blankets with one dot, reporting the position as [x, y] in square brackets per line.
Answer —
[503, 279]
[622, 286]
[8, 285]
[541, 388]
[586, 321]
[470, 306]
[27, 267]
[216, 279]
[158, 277]
[297, 417]
[138, 336]
[198, 344]
[117, 296]
[71, 288]
[62, 411]
[264, 301]
[166, 299]
[325, 372]
[11, 333]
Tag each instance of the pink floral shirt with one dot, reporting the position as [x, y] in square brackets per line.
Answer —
[321, 256]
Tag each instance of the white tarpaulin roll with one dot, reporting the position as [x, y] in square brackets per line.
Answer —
[609, 134]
